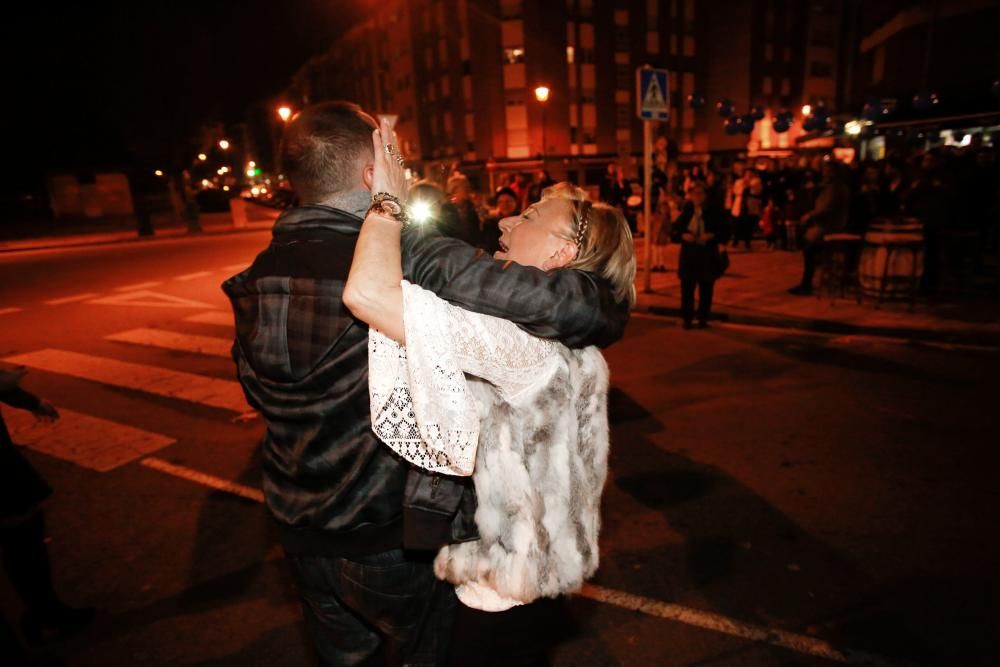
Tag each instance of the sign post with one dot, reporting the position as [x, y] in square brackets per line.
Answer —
[652, 103]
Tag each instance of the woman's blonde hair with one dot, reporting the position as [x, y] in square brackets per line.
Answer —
[603, 239]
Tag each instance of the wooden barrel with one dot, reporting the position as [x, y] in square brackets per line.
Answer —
[892, 261]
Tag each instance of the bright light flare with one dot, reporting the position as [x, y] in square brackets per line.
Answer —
[255, 191]
[806, 109]
[202, 157]
[251, 172]
[158, 172]
[284, 113]
[542, 93]
[223, 144]
[420, 212]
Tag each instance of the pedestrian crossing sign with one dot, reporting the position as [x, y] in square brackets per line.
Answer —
[653, 93]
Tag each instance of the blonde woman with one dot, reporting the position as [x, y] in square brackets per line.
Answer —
[471, 394]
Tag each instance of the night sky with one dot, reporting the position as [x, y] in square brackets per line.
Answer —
[91, 87]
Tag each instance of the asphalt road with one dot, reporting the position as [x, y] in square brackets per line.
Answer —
[775, 498]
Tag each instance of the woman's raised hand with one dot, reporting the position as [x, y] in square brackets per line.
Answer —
[390, 174]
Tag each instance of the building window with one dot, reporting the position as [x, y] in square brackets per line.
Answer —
[570, 52]
[467, 88]
[689, 46]
[623, 96]
[652, 10]
[587, 35]
[769, 52]
[687, 118]
[571, 33]
[687, 81]
[652, 42]
[572, 77]
[464, 47]
[574, 115]
[586, 8]
[587, 77]
[443, 52]
[621, 17]
[621, 58]
[514, 56]
[589, 120]
[766, 85]
[445, 87]
[448, 124]
[673, 44]
[820, 70]
[786, 86]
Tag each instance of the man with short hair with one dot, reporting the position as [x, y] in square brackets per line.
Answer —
[351, 515]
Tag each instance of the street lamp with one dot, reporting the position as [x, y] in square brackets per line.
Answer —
[284, 113]
[542, 95]
[223, 144]
[806, 109]
[202, 157]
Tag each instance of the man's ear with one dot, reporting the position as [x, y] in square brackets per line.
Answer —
[368, 176]
[564, 254]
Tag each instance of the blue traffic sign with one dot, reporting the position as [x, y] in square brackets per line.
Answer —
[652, 93]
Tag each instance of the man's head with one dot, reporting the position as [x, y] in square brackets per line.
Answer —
[326, 149]
[697, 193]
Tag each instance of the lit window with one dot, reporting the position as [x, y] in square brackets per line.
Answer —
[510, 8]
[587, 77]
[570, 51]
[587, 35]
[621, 58]
[622, 96]
[687, 118]
[688, 46]
[766, 85]
[513, 56]
[652, 42]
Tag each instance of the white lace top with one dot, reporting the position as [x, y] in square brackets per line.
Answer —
[421, 404]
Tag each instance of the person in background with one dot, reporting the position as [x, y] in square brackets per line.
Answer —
[465, 226]
[752, 209]
[541, 182]
[506, 206]
[22, 531]
[700, 231]
[663, 217]
[828, 216]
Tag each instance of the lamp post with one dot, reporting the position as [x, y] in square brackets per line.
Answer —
[542, 95]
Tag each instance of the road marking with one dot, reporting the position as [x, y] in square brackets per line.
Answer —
[235, 267]
[718, 623]
[193, 276]
[129, 288]
[149, 299]
[171, 340]
[71, 299]
[218, 317]
[91, 442]
[224, 394]
[8, 311]
[205, 480]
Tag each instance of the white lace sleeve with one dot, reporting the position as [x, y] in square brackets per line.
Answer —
[421, 404]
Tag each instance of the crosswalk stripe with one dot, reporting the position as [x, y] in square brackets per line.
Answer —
[138, 286]
[172, 340]
[9, 311]
[71, 299]
[204, 479]
[193, 276]
[224, 394]
[91, 442]
[218, 317]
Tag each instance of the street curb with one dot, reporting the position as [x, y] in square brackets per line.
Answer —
[86, 243]
[965, 338]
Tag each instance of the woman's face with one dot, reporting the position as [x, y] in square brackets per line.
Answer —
[537, 236]
[506, 205]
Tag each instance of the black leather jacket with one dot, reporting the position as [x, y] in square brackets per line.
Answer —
[302, 360]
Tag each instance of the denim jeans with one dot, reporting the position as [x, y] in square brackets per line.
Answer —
[382, 609]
